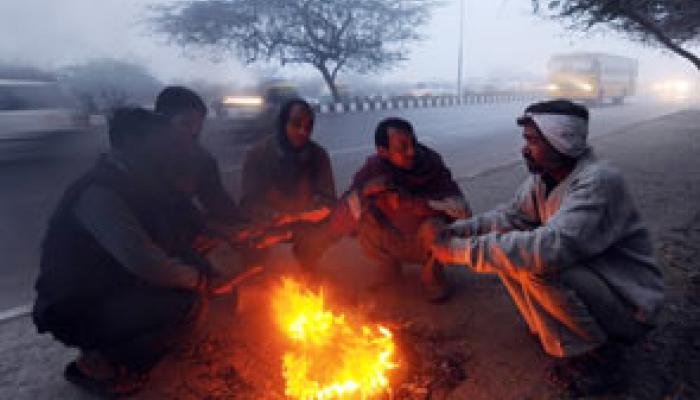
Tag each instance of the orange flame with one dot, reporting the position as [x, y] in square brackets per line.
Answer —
[330, 358]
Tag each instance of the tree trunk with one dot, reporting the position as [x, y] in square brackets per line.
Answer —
[330, 82]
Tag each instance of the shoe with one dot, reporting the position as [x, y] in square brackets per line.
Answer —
[121, 385]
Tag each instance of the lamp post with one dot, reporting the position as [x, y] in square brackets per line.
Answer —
[460, 54]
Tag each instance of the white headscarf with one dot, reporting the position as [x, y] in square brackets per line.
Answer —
[566, 133]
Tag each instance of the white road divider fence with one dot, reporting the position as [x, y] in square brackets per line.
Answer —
[364, 104]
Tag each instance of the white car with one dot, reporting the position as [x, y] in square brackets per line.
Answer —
[255, 112]
[33, 108]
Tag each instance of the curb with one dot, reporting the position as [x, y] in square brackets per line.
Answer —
[15, 312]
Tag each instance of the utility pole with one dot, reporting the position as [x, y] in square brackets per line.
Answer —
[460, 54]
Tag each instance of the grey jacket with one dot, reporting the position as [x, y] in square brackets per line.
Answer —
[589, 219]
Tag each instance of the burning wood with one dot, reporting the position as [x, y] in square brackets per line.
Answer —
[330, 355]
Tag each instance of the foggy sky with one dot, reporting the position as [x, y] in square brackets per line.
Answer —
[502, 37]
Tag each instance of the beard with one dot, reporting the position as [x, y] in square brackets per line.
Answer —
[532, 166]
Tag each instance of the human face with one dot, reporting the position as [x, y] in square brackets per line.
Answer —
[299, 126]
[401, 151]
[188, 124]
[540, 156]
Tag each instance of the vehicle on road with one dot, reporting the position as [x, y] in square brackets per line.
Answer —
[32, 108]
[592, 77]
[678, 90]
[254, 112]
[427, 89]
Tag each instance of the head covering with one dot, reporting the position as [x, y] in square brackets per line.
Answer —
[563, 124]
[294, 162]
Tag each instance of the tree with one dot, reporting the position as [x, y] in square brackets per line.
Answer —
[104, 84]
[673, 24]
[329, 35]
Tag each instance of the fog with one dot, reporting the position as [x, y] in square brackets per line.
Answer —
[502, 38]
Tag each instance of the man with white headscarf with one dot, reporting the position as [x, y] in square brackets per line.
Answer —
[570, 248]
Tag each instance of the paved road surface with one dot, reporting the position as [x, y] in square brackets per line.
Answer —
[471, 139]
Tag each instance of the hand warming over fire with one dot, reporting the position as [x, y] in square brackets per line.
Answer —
[453, 206]
[441, 252]
[313, 216]
[376, 186]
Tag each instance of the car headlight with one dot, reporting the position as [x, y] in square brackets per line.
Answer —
[250, 101]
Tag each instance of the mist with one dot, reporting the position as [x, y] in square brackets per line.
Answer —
[501, 39]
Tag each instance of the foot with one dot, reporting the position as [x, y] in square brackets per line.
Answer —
[595, 373]
[104, 379]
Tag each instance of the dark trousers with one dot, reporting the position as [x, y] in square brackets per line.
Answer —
[134, 327]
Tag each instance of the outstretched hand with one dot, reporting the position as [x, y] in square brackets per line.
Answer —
[440, 250]
[454, 206]
[313, 216]
[376, 186]
[228, 286]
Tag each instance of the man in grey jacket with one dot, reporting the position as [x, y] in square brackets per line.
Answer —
[570, 248]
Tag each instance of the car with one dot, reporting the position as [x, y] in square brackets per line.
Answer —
[34, 116]
[33, 108]
[254, 112]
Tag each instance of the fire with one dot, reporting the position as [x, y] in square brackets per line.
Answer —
[330, 357]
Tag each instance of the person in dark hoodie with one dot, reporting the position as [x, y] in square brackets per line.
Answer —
[186, 113]
[120, 277]
[287, 180]
[392, 197]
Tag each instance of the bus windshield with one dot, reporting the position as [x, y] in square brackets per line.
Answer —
[575, 65]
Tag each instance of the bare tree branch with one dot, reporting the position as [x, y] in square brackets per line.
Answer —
[330, 35]
[671, 24]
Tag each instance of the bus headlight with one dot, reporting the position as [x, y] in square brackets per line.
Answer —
[587, 87]
[681, 86]
[552, 87]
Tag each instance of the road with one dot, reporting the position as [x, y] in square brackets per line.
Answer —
[471, 139]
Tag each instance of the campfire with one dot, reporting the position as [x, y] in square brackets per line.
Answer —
[330, 355]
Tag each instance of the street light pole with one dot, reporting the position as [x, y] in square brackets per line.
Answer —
[460, 54]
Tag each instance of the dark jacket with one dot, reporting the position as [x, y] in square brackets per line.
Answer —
[277, 178]
[76, 270]
[429, 179]
[209, 190]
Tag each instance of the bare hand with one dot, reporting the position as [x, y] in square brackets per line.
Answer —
[376, 186]
[455, 207]
[315, 215]
[272, 239]
[228, 286]
[441, 252]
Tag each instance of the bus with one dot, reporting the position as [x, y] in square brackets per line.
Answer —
[592, 77]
